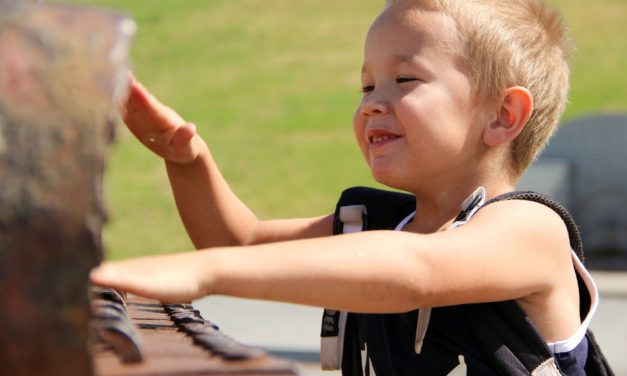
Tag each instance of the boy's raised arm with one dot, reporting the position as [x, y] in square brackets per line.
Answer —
[211, 213]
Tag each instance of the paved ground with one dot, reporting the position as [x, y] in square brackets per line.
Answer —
[292, 331]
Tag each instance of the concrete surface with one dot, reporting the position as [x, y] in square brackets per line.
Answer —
[293, 331]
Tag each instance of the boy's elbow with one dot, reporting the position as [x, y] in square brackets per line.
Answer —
[409, 296]
[221, 239]
[418, 292]
[257, 234]
[413, 287]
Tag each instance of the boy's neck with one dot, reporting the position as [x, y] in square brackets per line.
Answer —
[437, 212]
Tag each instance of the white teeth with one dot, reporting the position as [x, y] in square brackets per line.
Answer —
[376, 139]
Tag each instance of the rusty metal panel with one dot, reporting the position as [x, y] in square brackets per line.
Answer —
[59, 65]
[174, 339]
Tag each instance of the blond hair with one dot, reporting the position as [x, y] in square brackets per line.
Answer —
[513, 43]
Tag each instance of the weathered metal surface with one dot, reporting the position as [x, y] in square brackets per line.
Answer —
[59, 66]
[112, 327]
[176, 340]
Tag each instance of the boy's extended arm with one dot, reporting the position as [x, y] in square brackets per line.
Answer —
[510, 250]
[211, 213]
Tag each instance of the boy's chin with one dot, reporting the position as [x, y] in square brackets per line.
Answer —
[390, 180]
[387, 179]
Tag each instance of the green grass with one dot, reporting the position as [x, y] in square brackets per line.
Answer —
[598, 81]
[272, 85]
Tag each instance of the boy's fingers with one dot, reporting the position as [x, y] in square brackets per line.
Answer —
[117, 276]
[139, 99]
[122, 93]
[151, 277]
[142, 109]
[103, 275]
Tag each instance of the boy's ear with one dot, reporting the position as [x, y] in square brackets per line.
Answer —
[511, 118]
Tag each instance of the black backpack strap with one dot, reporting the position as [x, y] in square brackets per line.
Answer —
[358, 209]
[383, 209]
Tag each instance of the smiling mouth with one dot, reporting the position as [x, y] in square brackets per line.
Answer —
[380, 139]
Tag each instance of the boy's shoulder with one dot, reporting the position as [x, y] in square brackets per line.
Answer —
[573, 231]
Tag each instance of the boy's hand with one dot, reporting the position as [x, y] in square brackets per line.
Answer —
[172, 278]
[159, 127]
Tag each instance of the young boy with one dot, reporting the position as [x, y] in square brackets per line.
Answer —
[456, 95]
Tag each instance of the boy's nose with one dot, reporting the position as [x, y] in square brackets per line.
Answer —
[373, 104]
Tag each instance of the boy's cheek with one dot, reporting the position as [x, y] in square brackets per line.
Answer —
[359, 129]
[363, 146]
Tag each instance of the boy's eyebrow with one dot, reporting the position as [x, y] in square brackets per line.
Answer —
[404, 58]
[398, 59]
[411, 59]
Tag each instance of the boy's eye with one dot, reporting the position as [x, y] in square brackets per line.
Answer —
[401, 79]
[367, 88]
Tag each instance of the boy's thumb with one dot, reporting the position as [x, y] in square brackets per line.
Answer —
[183, 134]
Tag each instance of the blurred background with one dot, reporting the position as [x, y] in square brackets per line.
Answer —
[272, 86]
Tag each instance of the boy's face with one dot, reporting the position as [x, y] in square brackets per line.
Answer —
[417, 122]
